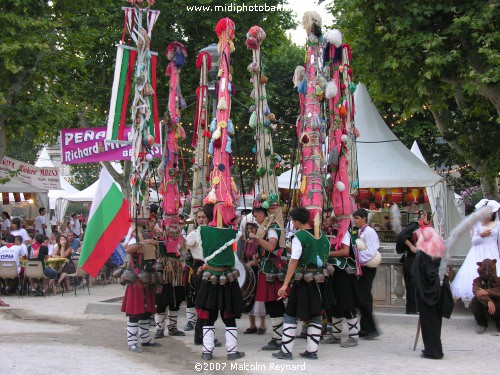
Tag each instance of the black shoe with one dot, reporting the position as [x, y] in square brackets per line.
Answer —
[283, 355]
[233, 356]
[272, 345]
[369, 335]
[151, 343]
[217, 343]
[426, 356]
[250, 331]
[207, 356]
[309, 355]
[175, 332]
[159, 334]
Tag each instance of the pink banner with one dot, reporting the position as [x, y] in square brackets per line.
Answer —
[89, 146]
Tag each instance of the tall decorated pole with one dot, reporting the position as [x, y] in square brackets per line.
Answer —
[219, 287]
[136, 69]
[263, 121]
[341, 162]
[310, 126]
[223, 188]
[200, 134]
[168, 170]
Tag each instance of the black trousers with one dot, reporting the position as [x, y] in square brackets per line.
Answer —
[411, 291]
[430, 323]
[367, 323]
[482, 315]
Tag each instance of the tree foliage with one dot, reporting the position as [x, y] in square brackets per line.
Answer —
[437, 56]
[57, 60]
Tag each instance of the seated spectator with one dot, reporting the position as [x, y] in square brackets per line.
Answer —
[64, 250]
[35, 246]
[12, 251]
[49, 272]
[73, 242]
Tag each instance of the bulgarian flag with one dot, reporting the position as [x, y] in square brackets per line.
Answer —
[108, 223]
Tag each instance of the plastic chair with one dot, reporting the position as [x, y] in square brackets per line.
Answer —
[8, 270]
[34, 270]
[79, 273]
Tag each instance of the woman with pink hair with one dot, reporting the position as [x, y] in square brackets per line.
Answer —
[429, 289]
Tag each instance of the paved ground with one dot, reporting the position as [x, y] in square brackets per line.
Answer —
[55, 335]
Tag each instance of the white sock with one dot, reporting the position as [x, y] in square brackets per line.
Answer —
[313, 337]
[208, 339]
[231, 334]
[288, 337]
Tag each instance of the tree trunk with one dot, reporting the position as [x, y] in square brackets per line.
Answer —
[489, 187]
[3, 137]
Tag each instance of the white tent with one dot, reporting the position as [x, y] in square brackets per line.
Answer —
[88, 194]
[383, 160]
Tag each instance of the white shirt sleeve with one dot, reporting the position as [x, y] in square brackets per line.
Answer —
[271, 233]
[296, 248]
[346, 240]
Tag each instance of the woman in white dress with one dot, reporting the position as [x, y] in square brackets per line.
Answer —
[485, 244]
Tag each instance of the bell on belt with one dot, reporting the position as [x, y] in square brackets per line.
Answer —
[214, 279]
[230, 277]
[325, 272]
[222, 280]
[199, 270]
[158, 267]
[331, 269]
[236, 273]
[319, 278]
[206, 275]
[118, 272]
[298, 276]
[281, 277]
[122, 280]
[308, 277]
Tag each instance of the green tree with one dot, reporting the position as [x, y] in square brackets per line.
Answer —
[436, 56]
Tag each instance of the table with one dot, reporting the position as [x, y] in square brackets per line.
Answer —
[56, 263]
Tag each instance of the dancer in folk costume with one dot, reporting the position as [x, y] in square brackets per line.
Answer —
[172, 291]
[271, 274]
[342, 166]
[193, 270]
[138, 302]
[139, 299]
[433, 295]
[346, 291]
[485, 244]
[219, 291]
[258, 309]
[193, 261]
[306, 272]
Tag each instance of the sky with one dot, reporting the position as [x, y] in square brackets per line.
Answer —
[298, 35]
